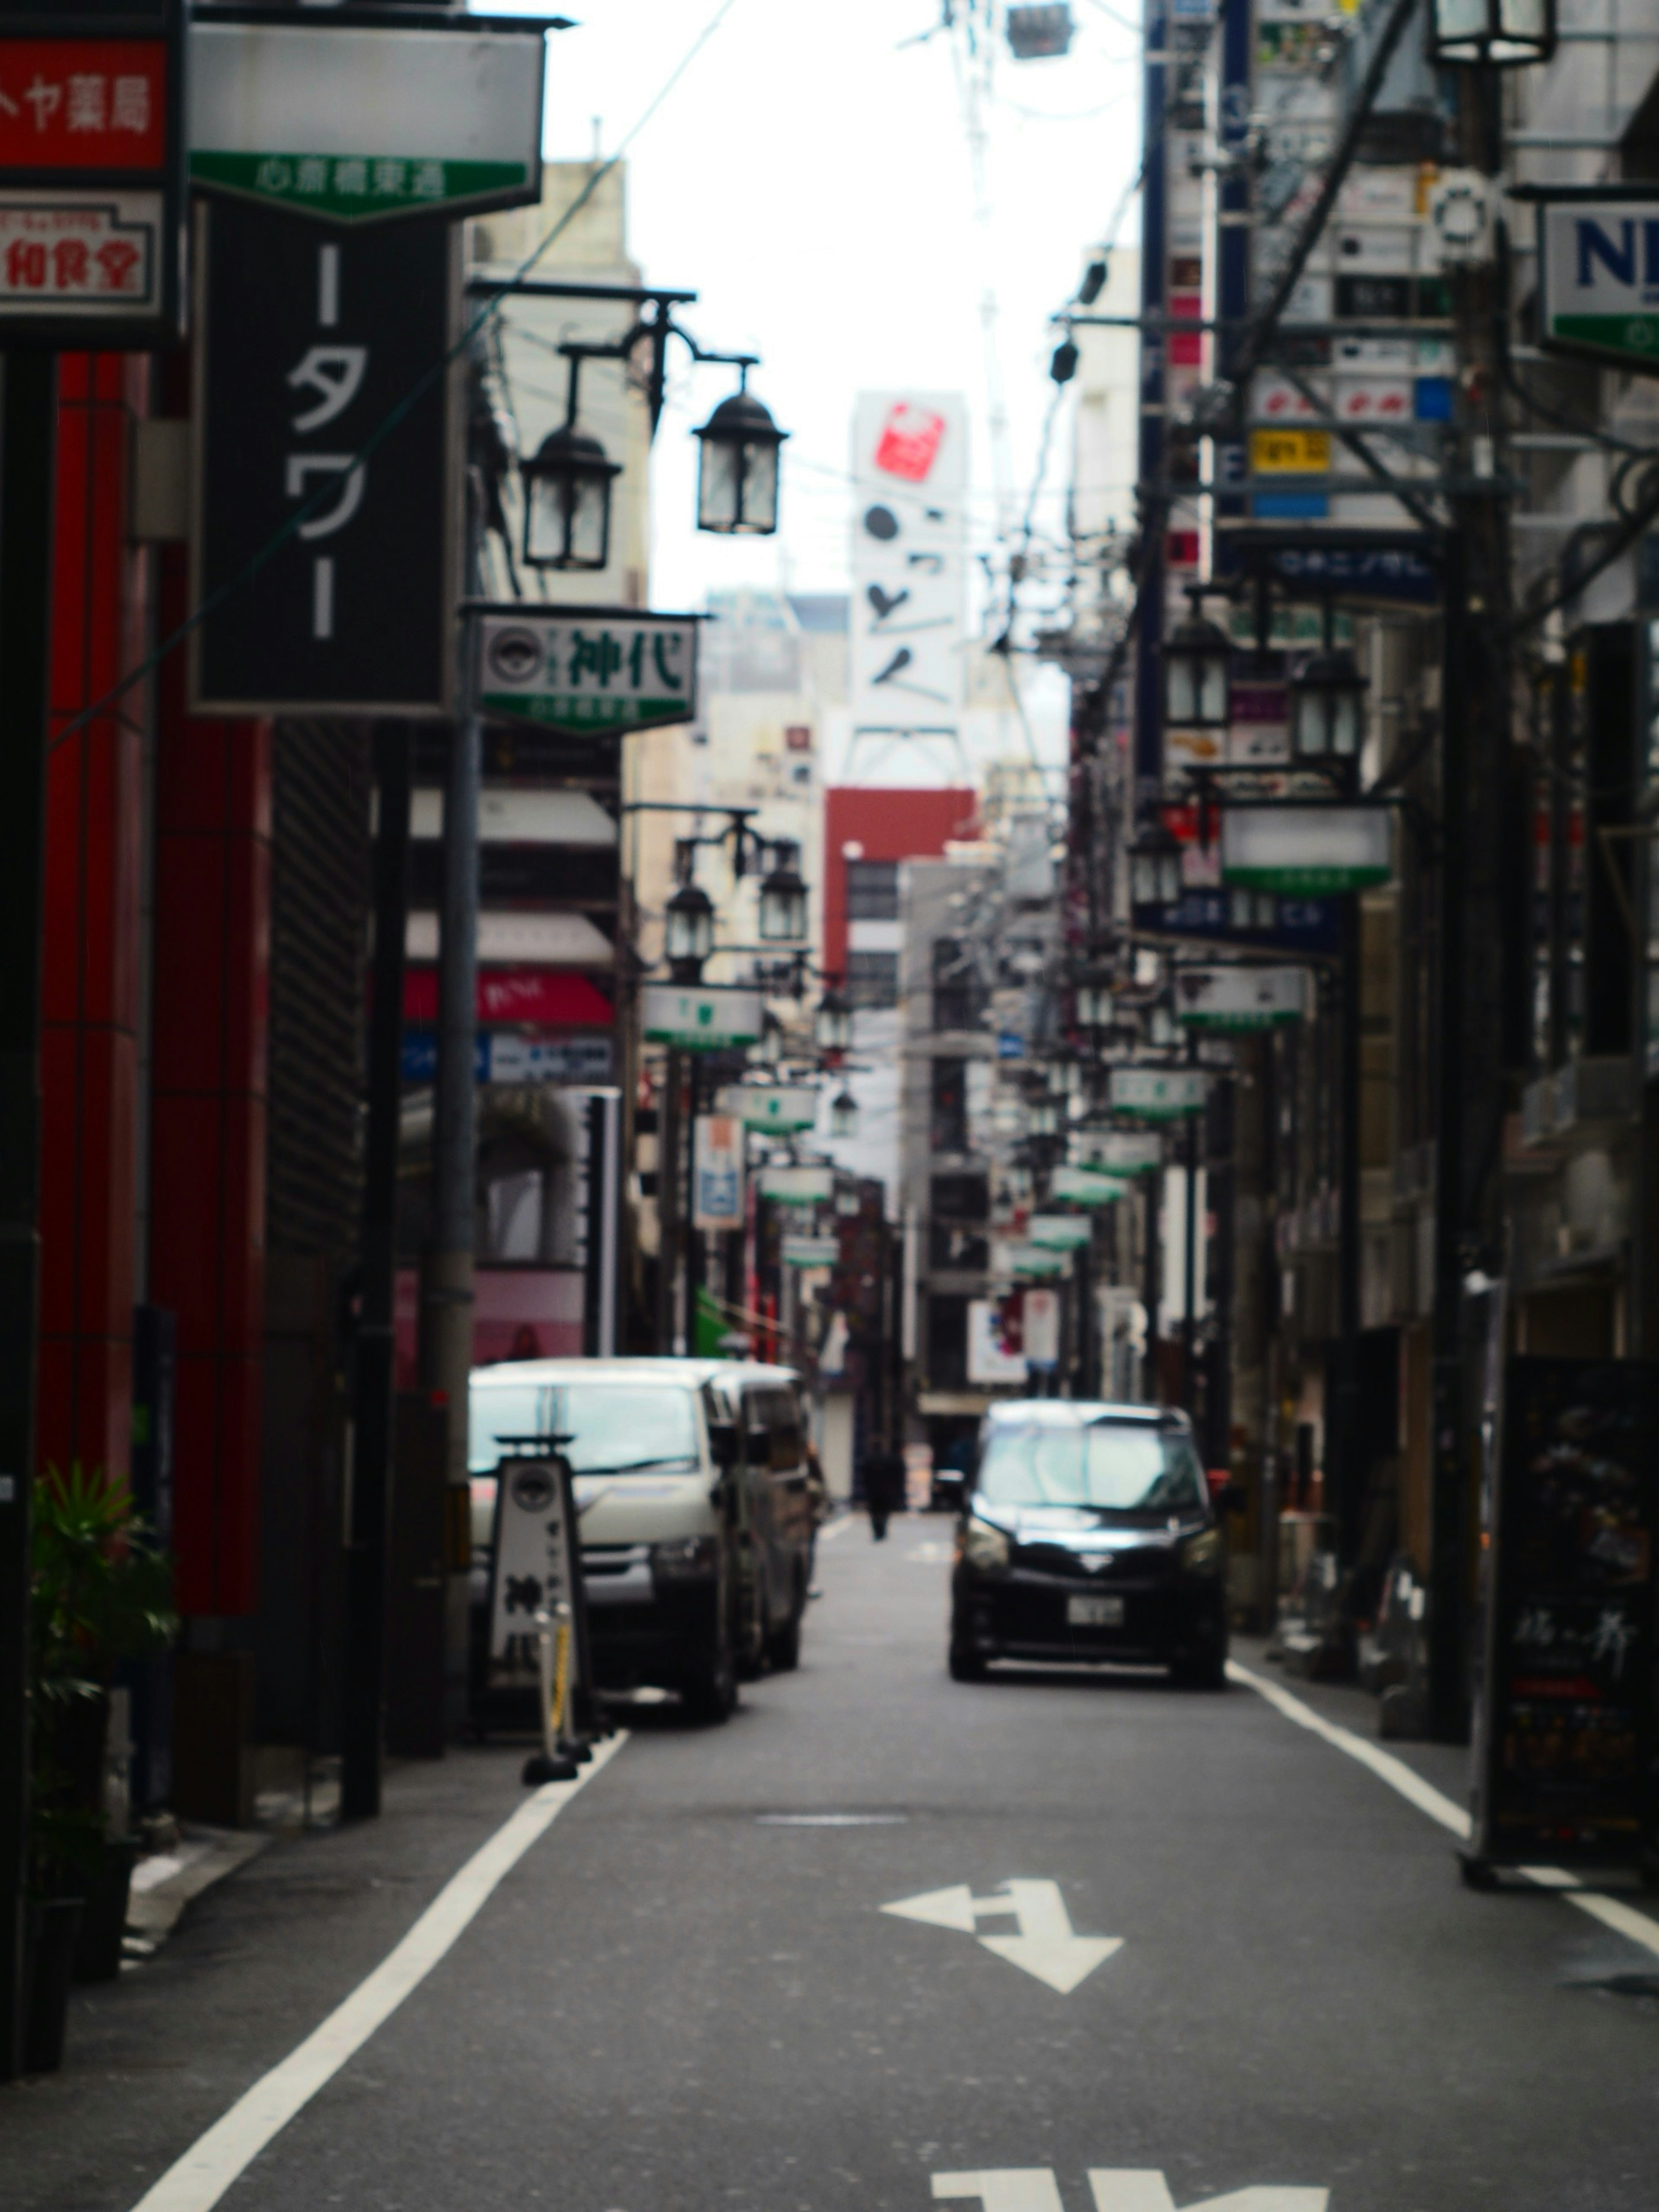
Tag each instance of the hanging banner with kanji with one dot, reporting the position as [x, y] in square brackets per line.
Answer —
[92, 164]
[587, 671]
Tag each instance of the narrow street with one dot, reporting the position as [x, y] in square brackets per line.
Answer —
[686, 1992]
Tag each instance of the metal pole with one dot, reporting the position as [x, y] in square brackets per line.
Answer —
[1345, 1396]
[668, 1179]
[1189, 1313]
[1153, 1211]
[376, 1344]
[28, 429]
[446, 1285]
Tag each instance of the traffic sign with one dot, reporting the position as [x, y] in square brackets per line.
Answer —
[586, 670]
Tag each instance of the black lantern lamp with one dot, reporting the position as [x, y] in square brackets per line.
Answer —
[689, 936]
[769, 1050]
[566, 491]
[843, 1114]
[737, 472]
[1092, 997]
[1195, 657]
[1065, 1078]
[1155, 867]
[833, 1024]
[1493, 33]
[1326, 703]
[1042, 1116]
[783, 898]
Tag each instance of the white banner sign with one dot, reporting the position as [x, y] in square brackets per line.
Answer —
[1306, 851]
[987, 1361]
[1128, 1152]
[1239, 998]
[1157, 1092]
[811, 1251]
[798, 1186]
[1059, 1232]
[910, 467]
[1085, 1187]
[782, 1106]
[701, 1018]
[1041, 1311]
[597, 671]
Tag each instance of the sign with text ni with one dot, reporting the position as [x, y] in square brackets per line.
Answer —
[586, 670]
[307, 341]
[92, 177]
[1598, 276]
[358, 124]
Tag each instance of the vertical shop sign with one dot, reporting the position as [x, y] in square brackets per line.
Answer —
[909, 462]
[308, 339]
[92, 176]
[1564, 1746]
[717, 1172]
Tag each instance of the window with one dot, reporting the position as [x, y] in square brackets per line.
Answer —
[947, 1341]
[955, 986]
[1114, 1466]
[872, 890]
[873, 979]
[966, 1249]
[947, 1121]
[778, 1413]
[964, 1198]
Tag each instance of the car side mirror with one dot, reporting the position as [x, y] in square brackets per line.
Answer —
[723, 1443]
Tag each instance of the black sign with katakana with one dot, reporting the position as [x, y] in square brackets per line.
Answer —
[312, 337]
[1565, 1757]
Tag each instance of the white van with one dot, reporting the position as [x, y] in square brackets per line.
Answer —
[692, 1486]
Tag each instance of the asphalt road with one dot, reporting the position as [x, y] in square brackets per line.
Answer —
[686, 1994]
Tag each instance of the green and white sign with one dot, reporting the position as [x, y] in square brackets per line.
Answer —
[702, 1018]
[782, 1107]
[1031, 1259]
[791, 1185]
[811, 1251]
[1085, 1187]
[1120, 1151]
[1238, 998]
[586, 670]
[1160, 1094]
[356, 124]
[1309, 849]
[1599, 277]
[1059, 1232]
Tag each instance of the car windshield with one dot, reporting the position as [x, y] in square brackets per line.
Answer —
[498, 1413]
[616, 1430]
[1114, 1466]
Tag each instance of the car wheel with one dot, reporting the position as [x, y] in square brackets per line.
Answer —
[709, 1692]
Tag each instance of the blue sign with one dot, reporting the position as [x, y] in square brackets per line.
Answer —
[1355, 571]
[1257, 919]
[1010, 1046]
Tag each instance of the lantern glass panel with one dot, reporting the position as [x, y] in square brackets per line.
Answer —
[690, 925]
[1345, 723]
[1212, 688]
[1169, 878]
[738, 486]
[844, 1114]
[782, 907]
[1181, 692]
[1307, 715]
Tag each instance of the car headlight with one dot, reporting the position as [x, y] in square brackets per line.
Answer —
[984, 1548]
[689, 1556]
[1201, 1554]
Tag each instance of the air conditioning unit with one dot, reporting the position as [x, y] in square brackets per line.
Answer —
[1035, 33]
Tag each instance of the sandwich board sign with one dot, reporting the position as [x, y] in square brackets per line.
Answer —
[356, 123]
[1598, 276]
[535, 1567]
[92, 175]
[588, 671]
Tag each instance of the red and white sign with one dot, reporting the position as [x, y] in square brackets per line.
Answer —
[910, 441]
[1374, 398]
[546, 998]
[73, 105]
[79, 250]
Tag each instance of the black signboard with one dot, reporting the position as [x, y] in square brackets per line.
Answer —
[1564, 1741]
[308, 338]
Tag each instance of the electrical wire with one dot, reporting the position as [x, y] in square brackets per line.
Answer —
[150, 662]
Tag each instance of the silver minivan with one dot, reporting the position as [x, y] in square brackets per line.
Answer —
[692, 1485]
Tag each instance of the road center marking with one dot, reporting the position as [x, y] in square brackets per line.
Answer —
[1045, 1946]
[1624, 1919]
[1114, 2188]
[196, 2181]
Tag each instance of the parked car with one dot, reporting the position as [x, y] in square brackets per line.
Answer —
[691, 1485]
[1089, 1533]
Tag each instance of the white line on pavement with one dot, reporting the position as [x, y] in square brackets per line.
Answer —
[1625, 1919]
[196, 2181]
[828, 1534]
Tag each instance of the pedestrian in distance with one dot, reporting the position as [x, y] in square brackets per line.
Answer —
[883, 1487]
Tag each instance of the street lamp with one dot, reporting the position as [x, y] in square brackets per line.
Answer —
[690, 933]
[1325, 709]
[1195, 658]
[1042, 1117]
[1493, 33]
[738, 470]
[843, 1114]
[1092, 997]
[833, 1024]
[769, 1050]
[1155, 867]
[783, 898]
[567, 501]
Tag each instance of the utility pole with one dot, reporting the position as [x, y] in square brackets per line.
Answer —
[670, 1141]
[28, 431]
[1345, 1396]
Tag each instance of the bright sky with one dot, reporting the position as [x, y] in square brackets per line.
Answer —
[810, 177]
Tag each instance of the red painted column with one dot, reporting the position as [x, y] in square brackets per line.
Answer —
[208, 1118]
[89, 1041]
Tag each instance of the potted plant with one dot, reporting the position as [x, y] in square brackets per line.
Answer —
[101, 1594]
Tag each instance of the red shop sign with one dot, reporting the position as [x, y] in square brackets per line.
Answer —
[545, 998]
[72, 104]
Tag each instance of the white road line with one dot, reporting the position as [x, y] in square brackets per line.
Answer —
[828, 1534]
[196, 2181]
[1624, 1919]
[830, 1819]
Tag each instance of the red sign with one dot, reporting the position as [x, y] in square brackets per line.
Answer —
[72, 104]
[910, 441]
[544, 997]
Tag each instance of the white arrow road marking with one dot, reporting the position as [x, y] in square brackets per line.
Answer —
[1045, 1946]
[1116, 2188]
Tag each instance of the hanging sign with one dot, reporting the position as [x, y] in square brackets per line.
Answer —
[1306, 849]
[908, 562]
[1085, 1187]
[1040, 1328]
[1290, 453]
[356, 124]
[798, 1186]
[1026, 1259]
[809, 1251]
[717, 1166]
[1123, 1151]
[586, 670]
[1598, 276]
[1564, 1758]
[1242, 997]
[1160, 1094]
[307, 340]
[1059, 1232]
[92, 177]
[786, 1107]
[701, 1017]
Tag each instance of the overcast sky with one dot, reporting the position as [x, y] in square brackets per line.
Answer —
[810, 177]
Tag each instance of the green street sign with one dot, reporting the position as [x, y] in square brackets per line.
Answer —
[1306, 849]
[1059, 1232]
[701, 1019]
[784, 1108]
[585, 670]
[1242, 997]
[1085, 1187]
[358, 125]
[1158, 1094]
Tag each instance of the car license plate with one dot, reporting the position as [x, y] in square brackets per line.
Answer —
[1094, 1613]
